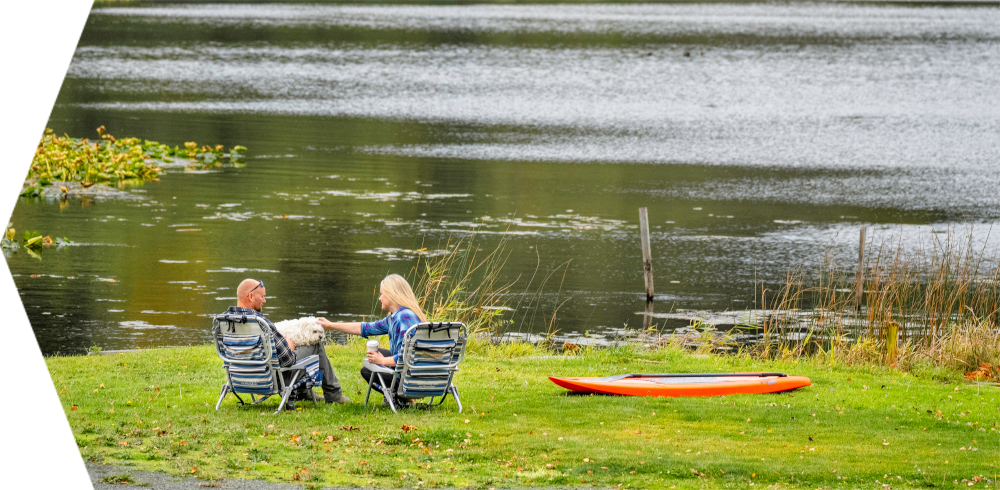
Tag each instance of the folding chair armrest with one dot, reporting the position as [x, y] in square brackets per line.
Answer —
[375, 368]
[301, 364]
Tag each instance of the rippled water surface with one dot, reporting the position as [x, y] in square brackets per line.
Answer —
[760, 136]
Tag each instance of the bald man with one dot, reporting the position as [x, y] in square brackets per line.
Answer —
[250, 298]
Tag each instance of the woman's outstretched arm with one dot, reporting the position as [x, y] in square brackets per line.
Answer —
[353, 328]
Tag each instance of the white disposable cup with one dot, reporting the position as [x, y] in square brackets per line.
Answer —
[372, 346]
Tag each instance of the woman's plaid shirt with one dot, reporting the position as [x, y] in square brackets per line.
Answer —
[394, 324]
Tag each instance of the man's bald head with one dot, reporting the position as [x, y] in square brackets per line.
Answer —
[250, 294]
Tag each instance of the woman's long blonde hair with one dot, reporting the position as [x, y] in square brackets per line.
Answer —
[397, 290]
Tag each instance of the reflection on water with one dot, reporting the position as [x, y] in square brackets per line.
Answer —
[760, 137]
[726, 22]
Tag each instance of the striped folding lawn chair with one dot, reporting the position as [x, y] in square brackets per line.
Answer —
[251, 362]
[431, 354]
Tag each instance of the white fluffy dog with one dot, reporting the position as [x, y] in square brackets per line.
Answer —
[301, 331]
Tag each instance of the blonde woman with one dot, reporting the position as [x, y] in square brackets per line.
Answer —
[398, 299]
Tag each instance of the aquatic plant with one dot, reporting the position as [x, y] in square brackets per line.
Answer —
[8, 242]
[32, 242]
[937, 308]
[939, 305]
[111, 160]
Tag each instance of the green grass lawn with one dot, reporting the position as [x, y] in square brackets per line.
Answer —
[853, 428]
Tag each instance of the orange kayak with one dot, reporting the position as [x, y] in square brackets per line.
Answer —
[685, 384]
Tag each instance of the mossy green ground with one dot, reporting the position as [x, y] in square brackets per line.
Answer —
[853, 428]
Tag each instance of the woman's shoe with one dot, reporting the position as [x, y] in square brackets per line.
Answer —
[399, 402]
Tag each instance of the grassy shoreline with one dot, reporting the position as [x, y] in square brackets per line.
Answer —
[853, 428]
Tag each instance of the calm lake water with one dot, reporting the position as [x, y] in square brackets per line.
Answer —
[760, 137]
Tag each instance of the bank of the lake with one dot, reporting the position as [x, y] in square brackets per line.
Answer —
[855, 427]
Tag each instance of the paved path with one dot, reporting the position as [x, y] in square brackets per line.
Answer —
[89, 476]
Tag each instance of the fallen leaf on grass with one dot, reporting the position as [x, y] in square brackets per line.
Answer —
[350, 427]
[407, 428]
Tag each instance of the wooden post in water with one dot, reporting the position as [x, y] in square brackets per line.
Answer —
[647, 254]
[859, 286]
[647, 316]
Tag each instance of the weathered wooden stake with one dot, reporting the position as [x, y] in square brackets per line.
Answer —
[647, 317]
[859, 286]
[647, 254]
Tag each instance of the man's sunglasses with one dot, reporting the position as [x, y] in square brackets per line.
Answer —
[257, 286]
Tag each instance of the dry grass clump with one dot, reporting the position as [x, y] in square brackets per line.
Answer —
[938, 305]
[967, 346]
[463, 285]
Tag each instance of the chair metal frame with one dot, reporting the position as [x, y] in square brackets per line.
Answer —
[395, 386]
[248, 325]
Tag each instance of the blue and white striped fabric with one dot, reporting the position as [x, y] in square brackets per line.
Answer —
[252, 379]
[432, 353]
[257, 379]
[243, 347]
[251, 352]
[314, 376]
[237, 315]
[430, 346]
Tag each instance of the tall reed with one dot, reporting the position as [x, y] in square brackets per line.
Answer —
[939, 304]
[463, 284]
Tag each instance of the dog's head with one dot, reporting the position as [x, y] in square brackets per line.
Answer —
[315, 333]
